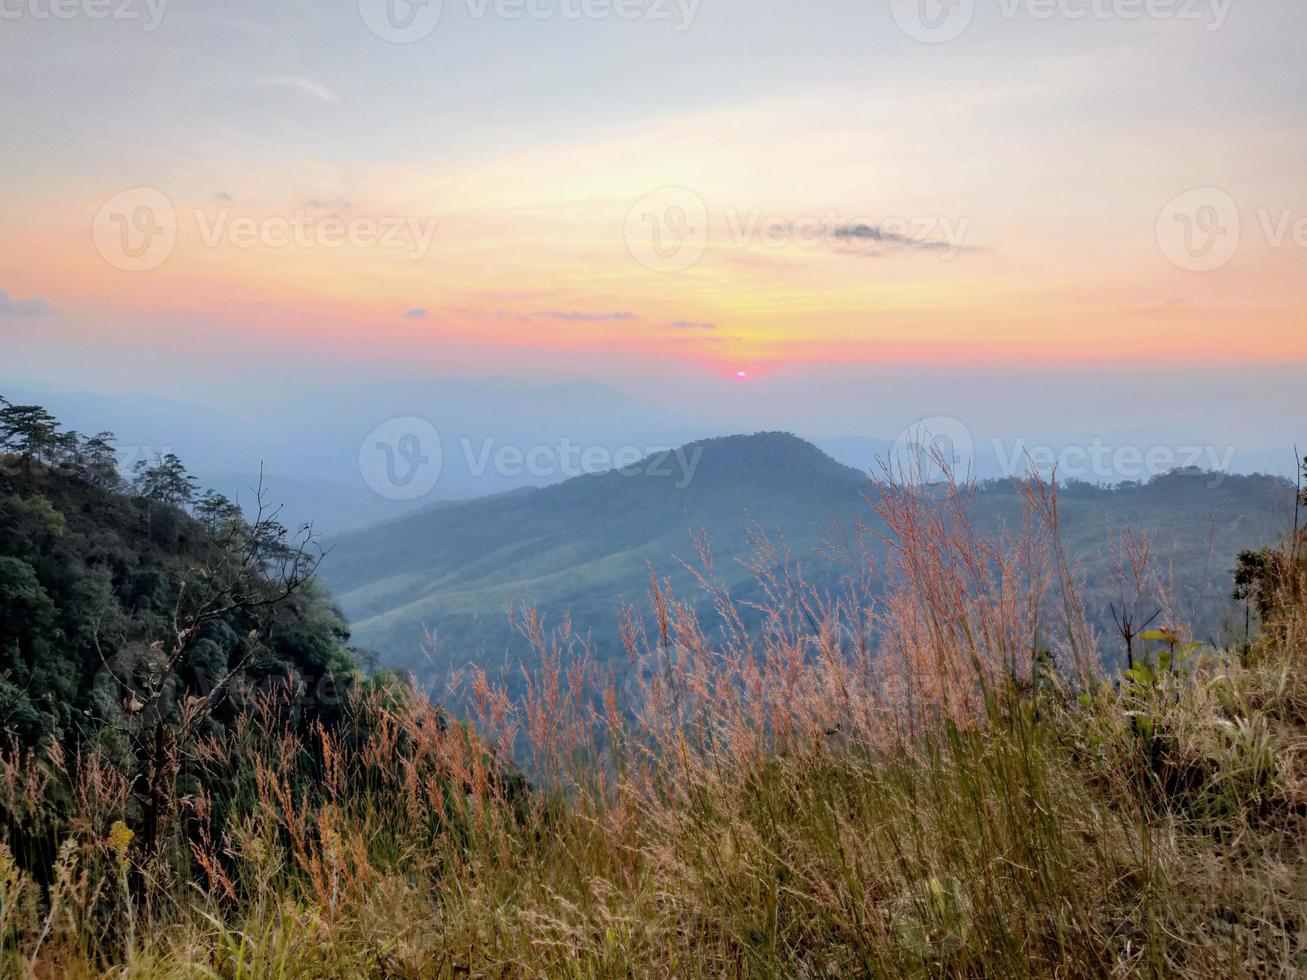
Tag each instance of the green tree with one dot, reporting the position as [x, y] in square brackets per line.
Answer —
[34, 682]
[97, 461]
[165, 480]
[1269, 580]
[216, 512]
[28, 430]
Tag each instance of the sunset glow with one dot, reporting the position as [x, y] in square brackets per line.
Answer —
[907, 208]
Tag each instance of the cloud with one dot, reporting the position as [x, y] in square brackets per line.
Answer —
[877, 233]
[223, 196]
[296, 83]
[692, 325]
[317, 204]
[22, 307]
[576, 316]
[417, 313]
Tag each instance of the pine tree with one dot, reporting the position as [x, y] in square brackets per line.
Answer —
[165, 480]
[28, 430]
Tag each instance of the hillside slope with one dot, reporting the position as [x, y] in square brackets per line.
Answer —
[586, 547]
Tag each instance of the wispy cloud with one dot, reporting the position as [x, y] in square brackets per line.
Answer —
[296, 83]
[692, 325]
[417, 313]
[576, 316]
[22, 307]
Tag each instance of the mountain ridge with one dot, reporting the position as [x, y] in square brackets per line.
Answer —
[585, 547]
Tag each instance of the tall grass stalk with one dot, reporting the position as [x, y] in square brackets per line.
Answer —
[930, 777]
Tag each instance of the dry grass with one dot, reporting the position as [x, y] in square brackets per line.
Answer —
[928, 780]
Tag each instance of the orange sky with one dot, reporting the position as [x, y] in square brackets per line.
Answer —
[1016, 204]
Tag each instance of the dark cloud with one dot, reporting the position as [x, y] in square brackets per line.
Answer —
[417, 313]
[876, 233]
[22, 307]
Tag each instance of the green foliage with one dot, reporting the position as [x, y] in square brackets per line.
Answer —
[216, 512]
[46, 517]
[1269, 580]
[165, 479]
[28, 431]
[1154, 671]
[34, 683]
[131, 631]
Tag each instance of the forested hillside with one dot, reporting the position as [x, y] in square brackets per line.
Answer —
[114, 594]
[140, 622]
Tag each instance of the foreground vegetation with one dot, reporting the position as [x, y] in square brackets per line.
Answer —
[937, 780]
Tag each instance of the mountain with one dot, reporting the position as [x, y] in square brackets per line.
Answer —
[860, 452]
[585, 547]
[309, 438]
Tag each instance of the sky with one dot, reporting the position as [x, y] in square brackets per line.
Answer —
[1055, 218]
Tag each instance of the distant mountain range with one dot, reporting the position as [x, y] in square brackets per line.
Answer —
[309, 439]
[585, 547]
[306, 440]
